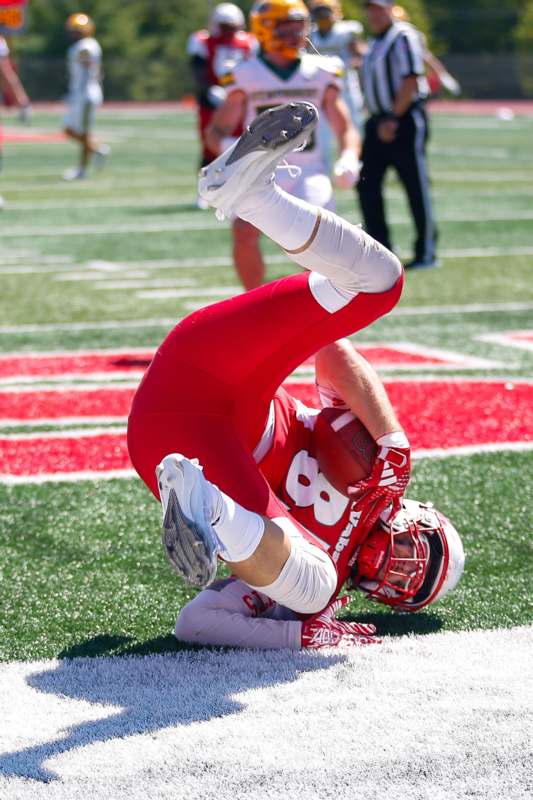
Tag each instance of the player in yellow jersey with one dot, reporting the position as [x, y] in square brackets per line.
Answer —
[283, 72]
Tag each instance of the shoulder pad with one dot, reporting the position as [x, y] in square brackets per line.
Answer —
[350, 26]
[315, 64]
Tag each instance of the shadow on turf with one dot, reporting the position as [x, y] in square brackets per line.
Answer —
[133, 696]
[107, 645]
[387, 624]
[397, 624]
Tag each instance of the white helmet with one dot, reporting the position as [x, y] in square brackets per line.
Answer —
[226, 14]
[412, 559]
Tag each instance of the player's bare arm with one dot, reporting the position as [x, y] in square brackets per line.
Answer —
[357, 50]
[338, 116]
[347, 374]
[347, 167]
[225, 119]
[9, 79]
[341, 370]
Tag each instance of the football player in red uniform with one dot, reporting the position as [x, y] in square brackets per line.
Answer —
[264, 506]
[213, 53]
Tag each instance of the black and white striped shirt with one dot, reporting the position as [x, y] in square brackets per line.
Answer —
[391, 58]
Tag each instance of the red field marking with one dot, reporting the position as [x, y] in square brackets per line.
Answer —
[132, 363]
[477, 107]
[41, 455]
[436, 414]
[454, 413]
[28, 137]
[119, 364]
[55, 404]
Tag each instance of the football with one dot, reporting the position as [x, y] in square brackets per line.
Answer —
[344, 448]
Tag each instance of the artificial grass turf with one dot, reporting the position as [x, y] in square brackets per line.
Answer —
[83, 570]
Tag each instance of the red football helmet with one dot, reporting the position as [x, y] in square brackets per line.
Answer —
[410, 560]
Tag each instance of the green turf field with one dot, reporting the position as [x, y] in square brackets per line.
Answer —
[81, 566]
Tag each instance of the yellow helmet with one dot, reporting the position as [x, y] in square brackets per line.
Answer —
[400, 14]
[265, 17]
[80, 23]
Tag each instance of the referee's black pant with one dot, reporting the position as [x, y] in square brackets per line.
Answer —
[407, 154]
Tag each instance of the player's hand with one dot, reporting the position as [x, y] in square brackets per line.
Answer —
[25, 114]
[450, 84]
[216, 95]
[387, 130]
[389, 477]
[323, 630]
[346, 170]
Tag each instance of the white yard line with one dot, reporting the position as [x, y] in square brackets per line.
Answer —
[469, 450]
[157, 283]
[197, 223]
[91, 269]
[126, 202]
[505, 340]
[185, 725]
[163, 322]
[482, 177]
[213, 291]
[75, 433]
[67, 477]
[88, 378]
[60, 422]
[468, 308]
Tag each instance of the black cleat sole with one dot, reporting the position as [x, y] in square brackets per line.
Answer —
[275, 128]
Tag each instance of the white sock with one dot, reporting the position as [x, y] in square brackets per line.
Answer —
[321, 241]
[289, 224]
[238, 530]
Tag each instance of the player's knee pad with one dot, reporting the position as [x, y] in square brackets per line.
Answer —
[308, 578]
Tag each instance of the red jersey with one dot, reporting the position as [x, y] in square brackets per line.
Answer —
[286, 456]
[220, 52]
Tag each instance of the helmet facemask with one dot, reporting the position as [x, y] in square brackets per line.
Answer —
[289, 37]
[410, 560]
[280, 27]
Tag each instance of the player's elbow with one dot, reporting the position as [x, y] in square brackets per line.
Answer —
[191, 626]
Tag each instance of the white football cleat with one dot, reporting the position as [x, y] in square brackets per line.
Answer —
[254, 156]
[101, 155]
[74, 174]
[188, 538]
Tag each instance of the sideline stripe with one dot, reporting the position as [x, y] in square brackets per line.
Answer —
[471, 308]
[102, 268]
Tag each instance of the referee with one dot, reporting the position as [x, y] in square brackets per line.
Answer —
[396, 131]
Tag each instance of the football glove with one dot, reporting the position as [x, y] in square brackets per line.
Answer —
[346, 170]
[389, 477]
[216, 95]
[323, 630]
[450, 84]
